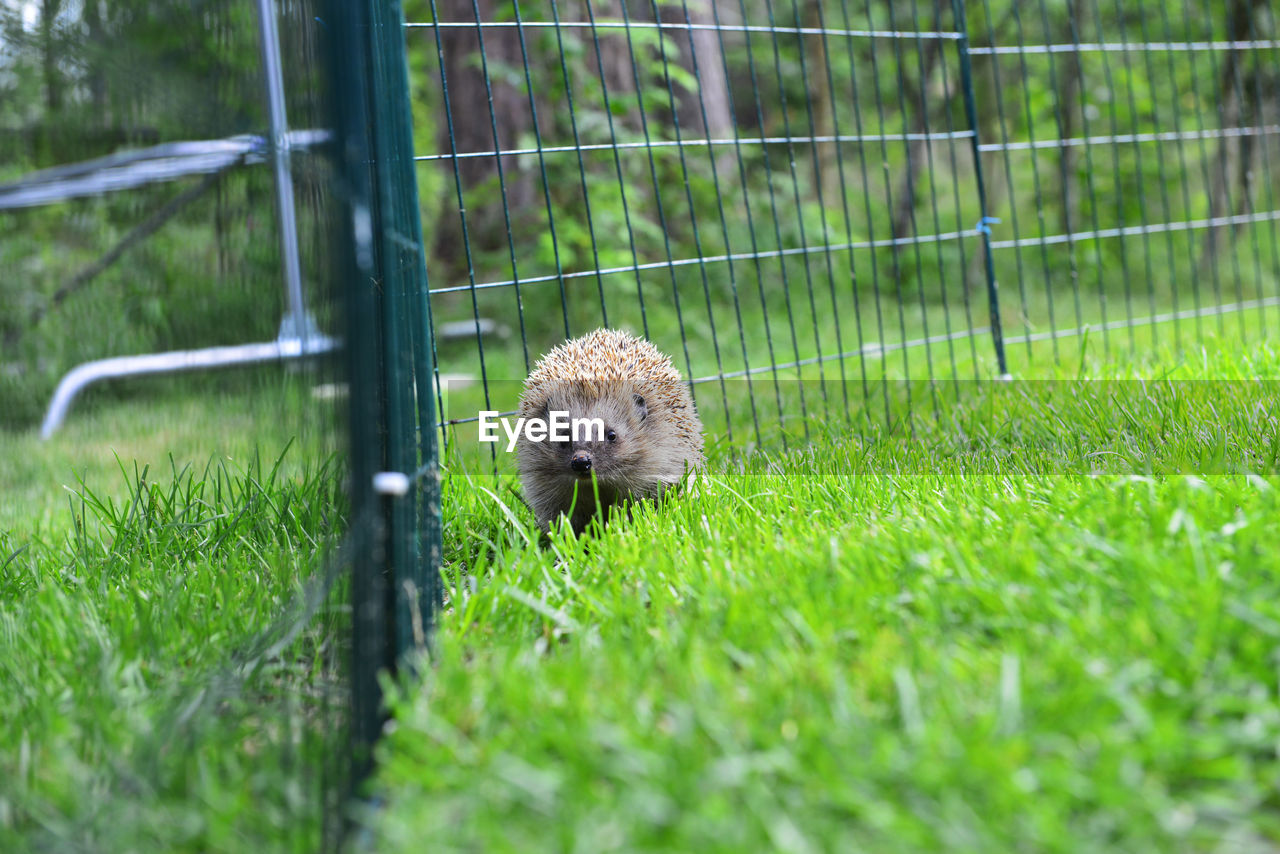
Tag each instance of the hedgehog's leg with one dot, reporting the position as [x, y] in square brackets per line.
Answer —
[548, 502]
[585, 507]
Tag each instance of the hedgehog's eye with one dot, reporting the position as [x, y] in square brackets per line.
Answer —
[611, 436]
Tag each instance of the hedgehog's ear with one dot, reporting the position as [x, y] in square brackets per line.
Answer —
[640, 407]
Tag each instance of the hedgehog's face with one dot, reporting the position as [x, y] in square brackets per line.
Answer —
[605, 439]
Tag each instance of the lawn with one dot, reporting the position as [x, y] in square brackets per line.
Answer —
[167, 686]
[1043, 619]
[1049, 622]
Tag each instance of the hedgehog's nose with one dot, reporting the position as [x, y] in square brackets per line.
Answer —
[580, 462]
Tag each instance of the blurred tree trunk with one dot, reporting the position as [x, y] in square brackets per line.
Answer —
[1238, 104]
[474, 115]
[49, 10]
[917, 100]
[614, 60]
[96, 73]
[1069, 86]
[700, 48]
[820, 94]
[1066, 77]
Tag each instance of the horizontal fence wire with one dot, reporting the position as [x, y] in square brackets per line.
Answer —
[1150, 320]
[685, 26]
[1123, 47]
[698, 143]
[716, 259]
[770, 189]
[1131, 230]
[1165, 136]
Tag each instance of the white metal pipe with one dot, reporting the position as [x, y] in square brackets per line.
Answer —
[273, 72]
[82, 376]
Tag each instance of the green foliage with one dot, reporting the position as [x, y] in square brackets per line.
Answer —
[98, 75]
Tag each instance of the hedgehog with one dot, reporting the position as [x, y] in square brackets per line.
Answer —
[650, 437]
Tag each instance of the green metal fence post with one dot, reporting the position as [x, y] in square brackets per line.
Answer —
[408, 348]
[971, 114]
[395, 487]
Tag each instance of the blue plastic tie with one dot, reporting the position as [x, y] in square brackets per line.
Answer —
[984, 224]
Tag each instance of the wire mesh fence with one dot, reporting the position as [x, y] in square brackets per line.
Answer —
[849, 193]
[1155, 190]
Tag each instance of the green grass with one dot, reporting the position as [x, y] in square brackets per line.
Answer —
[1044, 621]
[149, 423]
[166, 688]
[1007, 632]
